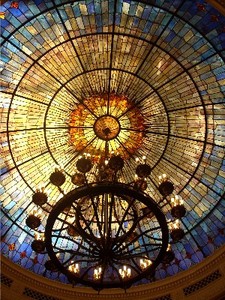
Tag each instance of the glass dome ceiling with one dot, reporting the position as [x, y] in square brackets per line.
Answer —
[163, 65]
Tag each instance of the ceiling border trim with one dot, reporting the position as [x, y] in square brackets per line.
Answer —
[169, 285]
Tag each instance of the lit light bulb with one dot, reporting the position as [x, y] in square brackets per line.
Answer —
[74, 267]
[177, 200]
[125, 272]
[168, 247]
[162, 178]
[97, 273]
[39, 236]
[145, 263]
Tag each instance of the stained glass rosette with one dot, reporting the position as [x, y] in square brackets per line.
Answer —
[126, 125]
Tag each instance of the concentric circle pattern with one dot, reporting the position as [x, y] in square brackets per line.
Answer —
[156, 68]
[107, 127]
[107, 118]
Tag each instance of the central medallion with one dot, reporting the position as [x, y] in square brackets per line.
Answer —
[107, 127]
[107, 121]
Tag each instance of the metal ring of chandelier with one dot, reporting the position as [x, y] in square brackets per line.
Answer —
[120, 235]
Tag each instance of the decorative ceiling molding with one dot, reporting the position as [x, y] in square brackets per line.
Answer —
[174, 286]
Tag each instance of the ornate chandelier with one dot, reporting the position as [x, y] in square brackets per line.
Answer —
[107, 233]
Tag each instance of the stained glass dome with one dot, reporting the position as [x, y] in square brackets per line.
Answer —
[147, 77]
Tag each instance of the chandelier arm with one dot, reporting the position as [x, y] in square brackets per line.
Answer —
[91, 250]
[132, 266]
[140, 229]
[85, 260]
[88, 269]
[63, 221]
[64, 263]
[120, 241]
[84, 234]
[151, 229]
[81, 246]
[97, 218]
[145, 214]
[47, 207]
[73, 253]
[137, 247]
[116, 270]
[67, 238]
[99, 226]
[79, 214]
[128, 265]
[124, 210]
[115, 213]
[166, 202]
[138, 236]
[156, 187]
[83, 209]
[162, 202]
[138, 268]
[129, 219]
[56, 240]
[143, 233]
[123, 238]
[120, 261]
[61, 190]
[123, 218]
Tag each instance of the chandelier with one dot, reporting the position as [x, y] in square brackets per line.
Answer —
[116, 234]
[106, 232]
